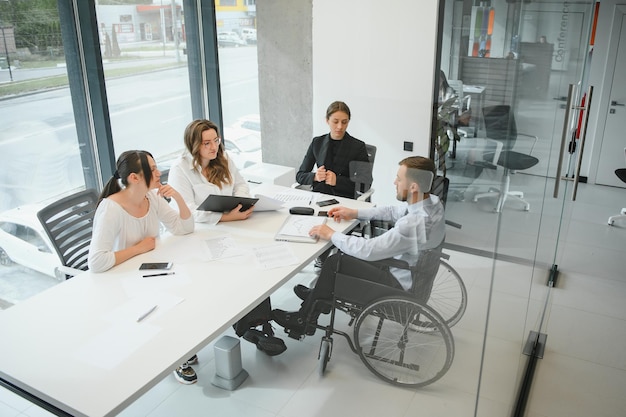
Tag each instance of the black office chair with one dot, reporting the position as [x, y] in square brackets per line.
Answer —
[68, 223]
[500, 125]
[621, 174]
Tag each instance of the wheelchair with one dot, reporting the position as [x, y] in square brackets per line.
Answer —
[399, 335]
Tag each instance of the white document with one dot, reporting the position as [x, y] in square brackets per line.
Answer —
[296, 228]
[222, 247]
[266, 203]
[274, 256]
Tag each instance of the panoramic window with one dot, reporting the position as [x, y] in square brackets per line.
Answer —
[144, 58]
[237, 46]
[39, 151]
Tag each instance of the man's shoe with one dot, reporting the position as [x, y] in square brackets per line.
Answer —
[301, 291]
[267, 344]
[294, 324]
[192, 361]
[185, 374]
[319, 263]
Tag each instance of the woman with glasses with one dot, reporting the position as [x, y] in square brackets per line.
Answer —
[205, 168]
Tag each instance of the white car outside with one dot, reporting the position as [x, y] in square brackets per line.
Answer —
[250, 122]
[243, 146]
[23, 241]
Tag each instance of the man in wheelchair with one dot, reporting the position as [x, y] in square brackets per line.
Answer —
[418, 226]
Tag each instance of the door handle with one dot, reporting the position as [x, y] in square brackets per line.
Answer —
[583, 138]
[615, 103]
[564, 136]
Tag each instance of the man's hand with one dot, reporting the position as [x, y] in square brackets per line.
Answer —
[322, 230]
[342, 213]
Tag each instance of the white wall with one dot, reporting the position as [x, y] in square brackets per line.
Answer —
[379, 58]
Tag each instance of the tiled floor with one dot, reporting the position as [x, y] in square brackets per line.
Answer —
[582, 373]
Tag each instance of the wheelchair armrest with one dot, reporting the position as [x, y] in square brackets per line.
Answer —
[391, 262]
[366, 195]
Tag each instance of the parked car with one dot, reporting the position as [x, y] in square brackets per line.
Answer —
[230, 39]
[23, 241]
[250, 122]
[243, 146]
[248, 35]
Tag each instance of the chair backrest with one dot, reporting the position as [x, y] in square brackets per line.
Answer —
[361, 172]
[68, 223]
[371, 152]
[361, 175]
[500, 125]
[463, 102]
[423, 274]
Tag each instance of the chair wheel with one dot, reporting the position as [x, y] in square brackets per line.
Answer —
[324, 355]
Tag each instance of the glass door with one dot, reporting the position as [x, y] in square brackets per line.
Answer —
[516, 62]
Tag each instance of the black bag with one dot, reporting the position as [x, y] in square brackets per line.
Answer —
[263, 339]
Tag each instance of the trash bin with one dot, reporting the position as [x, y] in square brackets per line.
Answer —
[4, 62]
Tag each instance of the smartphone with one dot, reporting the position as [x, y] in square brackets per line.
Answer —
[327, 202]
[156, 265]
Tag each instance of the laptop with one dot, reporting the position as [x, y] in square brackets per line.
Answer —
[222, 203]
[296, 228]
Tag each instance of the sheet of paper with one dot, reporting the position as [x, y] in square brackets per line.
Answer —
[266, 203]
[300, 225]
[134, 308]
[111, 347]
[274, 256]
[187, 249]
[222, 247]
[295, 197]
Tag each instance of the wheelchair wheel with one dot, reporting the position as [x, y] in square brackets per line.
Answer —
[324, 356]
[403, 342]
[449, 295]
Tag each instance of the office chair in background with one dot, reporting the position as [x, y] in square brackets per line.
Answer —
[464, 111]
[500, 125]
[68, 223]
[621, 174]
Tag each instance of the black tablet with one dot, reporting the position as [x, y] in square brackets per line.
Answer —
[224, 203]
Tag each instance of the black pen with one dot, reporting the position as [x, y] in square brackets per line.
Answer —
[159, 275]
[147, 313]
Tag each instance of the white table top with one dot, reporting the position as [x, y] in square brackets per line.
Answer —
[82, 335]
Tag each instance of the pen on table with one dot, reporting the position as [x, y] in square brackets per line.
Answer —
[159, 275]
[147, 313]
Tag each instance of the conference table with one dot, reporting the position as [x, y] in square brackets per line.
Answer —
[80, 349]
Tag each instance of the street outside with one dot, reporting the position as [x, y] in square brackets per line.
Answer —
[39, 151]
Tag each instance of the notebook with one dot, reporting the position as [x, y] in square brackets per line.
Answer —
[296, 228]
[221, 203]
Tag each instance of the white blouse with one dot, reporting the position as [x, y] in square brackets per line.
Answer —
[115, 229]
[195, 188]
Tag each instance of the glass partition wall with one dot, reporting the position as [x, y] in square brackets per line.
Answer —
[509, 66]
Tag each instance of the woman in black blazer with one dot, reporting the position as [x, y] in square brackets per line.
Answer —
[332, 154]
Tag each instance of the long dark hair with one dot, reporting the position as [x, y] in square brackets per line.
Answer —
[217, 171]
[129, 162]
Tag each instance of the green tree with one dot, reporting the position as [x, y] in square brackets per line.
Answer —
[36, 23]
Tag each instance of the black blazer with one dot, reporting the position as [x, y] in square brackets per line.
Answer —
[348, 149]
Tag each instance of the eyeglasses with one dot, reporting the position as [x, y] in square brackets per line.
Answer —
[215, 141]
